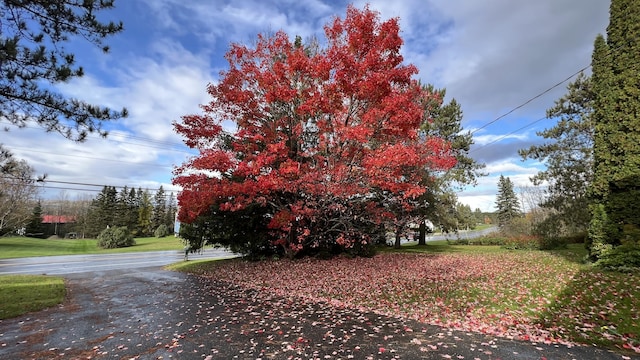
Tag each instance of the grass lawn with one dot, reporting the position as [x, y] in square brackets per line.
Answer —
[14, 247]
[20, 294]
[530, 295]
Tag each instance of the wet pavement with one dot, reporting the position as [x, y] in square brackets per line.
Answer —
[71, 264]
[150, 313]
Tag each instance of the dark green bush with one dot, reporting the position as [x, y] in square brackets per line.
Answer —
[622, 258]
[115, 237]
[552, 242]
[162, 231]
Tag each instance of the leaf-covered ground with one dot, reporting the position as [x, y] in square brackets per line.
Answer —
[533, 296]
[154, 314]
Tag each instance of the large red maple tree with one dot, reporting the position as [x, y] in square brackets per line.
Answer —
[314, 132]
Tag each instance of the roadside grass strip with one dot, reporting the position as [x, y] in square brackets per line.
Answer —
[18, 247]
[20, 294]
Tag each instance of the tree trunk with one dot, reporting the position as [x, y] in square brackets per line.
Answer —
[397, 243]
[422, 238]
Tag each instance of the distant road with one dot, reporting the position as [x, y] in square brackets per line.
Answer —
[71, 264]
[471, 234]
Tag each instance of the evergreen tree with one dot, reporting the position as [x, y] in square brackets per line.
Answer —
[35, 228]
[569, 160]
[145, 210]
[170, 215]
[439, 201]
[33, 54]
[477, 213]
[159, 213]
[127, 209]
[616, 84]
[507, 202]
[103, 211]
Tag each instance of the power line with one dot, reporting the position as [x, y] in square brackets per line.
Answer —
[41, 183]
[530, 100]
[610, 53]
[506, 135]
[99, 185]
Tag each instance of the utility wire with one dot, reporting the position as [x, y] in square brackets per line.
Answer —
[506, 135]
[530, 100]
[610, 53]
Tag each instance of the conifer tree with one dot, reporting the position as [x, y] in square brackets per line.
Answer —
[507, 202]
[159, 213]
[616, 83]
[568, 156]
[34, 56]
[35, 228]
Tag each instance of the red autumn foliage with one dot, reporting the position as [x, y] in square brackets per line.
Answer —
[302, 128]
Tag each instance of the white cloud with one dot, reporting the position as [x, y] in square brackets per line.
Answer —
[490, 56]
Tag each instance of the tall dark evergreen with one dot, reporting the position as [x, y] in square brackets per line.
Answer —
[616, 84]
[127, 208]
[103, 212]
[507, 202]
[145, 211]
[159, 213]
[170, 215]
[34, 227]
[33, 56]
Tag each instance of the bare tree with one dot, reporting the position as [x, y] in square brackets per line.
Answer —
[18, 192]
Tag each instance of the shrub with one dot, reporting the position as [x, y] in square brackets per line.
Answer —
[599, 233]
[622, 258]
[116, 237]
[522, 242]
[162, 231]
[552, 242]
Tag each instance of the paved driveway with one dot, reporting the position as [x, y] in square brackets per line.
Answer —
[150, 313]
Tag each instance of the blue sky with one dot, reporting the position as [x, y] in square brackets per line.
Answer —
[491, 56]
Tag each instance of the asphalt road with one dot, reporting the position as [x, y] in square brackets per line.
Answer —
[72, 264]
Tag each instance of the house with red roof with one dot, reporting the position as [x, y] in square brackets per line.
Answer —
[59, 225]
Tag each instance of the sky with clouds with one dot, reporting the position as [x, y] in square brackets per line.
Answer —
[491, 56]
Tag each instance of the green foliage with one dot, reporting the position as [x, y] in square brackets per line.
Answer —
[515, 227]
[492, 239]
[17, 193]
[507, 203]
[161, 231]
[616, 85]
[145, 210]
[33, 56]
[552, 243]
[35, 228]
[244, 231]
[159, 209]
[439, 203]
[599, 230]
[568, 157]
[623, 258]
[115, 237]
